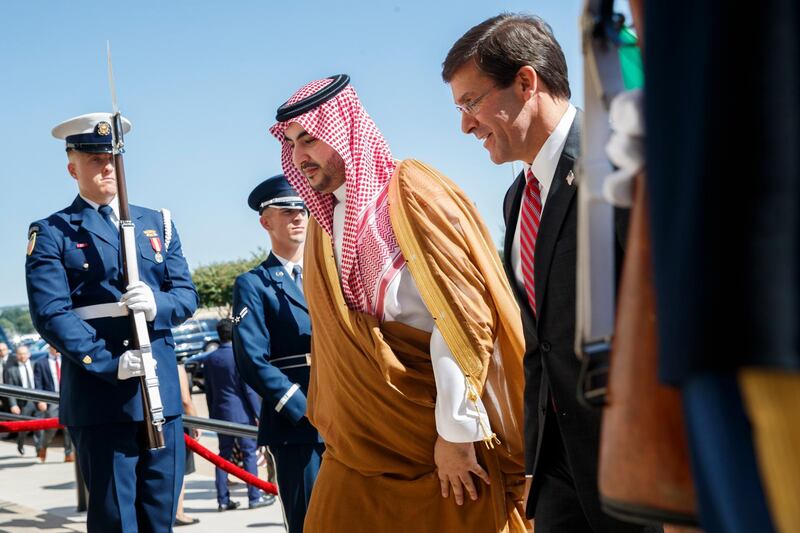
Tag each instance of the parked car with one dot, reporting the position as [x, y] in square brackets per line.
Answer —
[195, 336]
[4, 338]
[38, 349]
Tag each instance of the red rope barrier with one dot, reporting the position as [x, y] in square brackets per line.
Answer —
[15, 426]
[229, 467]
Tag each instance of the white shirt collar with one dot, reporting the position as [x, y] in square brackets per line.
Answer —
[289, 265]
[114, 205]
[341, 193]
[546, 161]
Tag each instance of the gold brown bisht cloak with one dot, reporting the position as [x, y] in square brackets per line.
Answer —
[372, 391]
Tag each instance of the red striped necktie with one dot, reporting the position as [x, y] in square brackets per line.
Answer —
[531, 215]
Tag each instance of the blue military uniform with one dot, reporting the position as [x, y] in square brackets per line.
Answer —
[230, 398]
[74, 261]
[272, 341]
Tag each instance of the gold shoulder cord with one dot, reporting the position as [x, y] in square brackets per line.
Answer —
[331, 274]
[438, 305]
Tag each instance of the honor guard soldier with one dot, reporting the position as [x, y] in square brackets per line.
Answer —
[272, 341]
[79, 305]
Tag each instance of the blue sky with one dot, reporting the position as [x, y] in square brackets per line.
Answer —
[201, 80]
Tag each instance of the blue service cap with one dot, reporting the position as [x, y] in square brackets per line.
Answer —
[89, 133]
[275, 192]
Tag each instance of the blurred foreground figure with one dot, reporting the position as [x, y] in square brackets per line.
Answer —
[723, 118]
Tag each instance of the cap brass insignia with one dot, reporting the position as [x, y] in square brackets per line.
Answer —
[87, 360]
[103, 129]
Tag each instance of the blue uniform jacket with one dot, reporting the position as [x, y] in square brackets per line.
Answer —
[75, 261]
[272, 322]
[228, 396]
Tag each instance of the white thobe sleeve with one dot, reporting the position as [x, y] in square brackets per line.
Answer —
[458, 418]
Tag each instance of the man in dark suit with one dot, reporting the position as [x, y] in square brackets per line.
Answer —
[21, 375]
[80, 304]
[5, 360]
[47, 376]
[508, 76]
[229, 398]
[272, 341]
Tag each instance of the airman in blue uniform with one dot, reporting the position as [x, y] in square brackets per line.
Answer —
[272, 341]
[79, 304]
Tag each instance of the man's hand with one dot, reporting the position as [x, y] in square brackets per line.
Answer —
[41, 406]
[131, 365]
[140, 298]
[15, 409]
[455, 462]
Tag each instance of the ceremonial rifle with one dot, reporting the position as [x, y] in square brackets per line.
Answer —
[151, 395]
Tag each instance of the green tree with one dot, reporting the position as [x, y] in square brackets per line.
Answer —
[214, 282]
[16, 319]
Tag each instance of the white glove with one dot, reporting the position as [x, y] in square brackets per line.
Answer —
[625, 147]
[131, 365]
[140, 298]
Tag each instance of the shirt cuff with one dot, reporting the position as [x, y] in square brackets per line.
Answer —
[458, 419]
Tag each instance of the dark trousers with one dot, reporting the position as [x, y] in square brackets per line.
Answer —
[248, 447]
[297, 465]
[46, 436]
[729, 489]
[29, 409]
[559, 508]
[131, 489]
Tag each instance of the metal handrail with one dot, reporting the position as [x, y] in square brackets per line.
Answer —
[28, 394]
[212, 424]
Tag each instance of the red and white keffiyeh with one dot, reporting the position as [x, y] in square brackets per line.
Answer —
[371, 257]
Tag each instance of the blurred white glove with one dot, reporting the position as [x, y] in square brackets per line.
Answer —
[131, 364]
[625, 147]
[140, 298]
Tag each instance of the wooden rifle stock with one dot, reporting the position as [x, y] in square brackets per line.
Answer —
[151, 395]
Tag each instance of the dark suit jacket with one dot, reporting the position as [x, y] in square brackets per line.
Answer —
[12, 376]
[42, 376]
[551, 366]
[228, 396]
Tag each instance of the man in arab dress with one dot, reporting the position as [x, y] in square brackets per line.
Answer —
[416, 359]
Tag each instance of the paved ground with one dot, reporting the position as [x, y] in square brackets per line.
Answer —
[43, 497]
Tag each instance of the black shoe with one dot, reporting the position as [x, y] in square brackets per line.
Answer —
[230, 506]
[21, 448]
[262, 501]
[190, 521]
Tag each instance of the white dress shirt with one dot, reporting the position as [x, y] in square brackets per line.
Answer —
[51, 361]
[114, 206]
[457, 418]
[26, 373]
[288, 265]
[544, 168]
